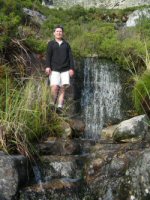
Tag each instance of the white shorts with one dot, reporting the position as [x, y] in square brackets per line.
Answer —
[59, 78]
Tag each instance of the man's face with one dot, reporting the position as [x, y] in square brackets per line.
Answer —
[58, 33]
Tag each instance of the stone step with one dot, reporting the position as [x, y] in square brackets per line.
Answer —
[62, 166]
[60, 146]
[56, 189]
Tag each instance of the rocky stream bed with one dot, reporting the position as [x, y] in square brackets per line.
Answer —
[74, 169]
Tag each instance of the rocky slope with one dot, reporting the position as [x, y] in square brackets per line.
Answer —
[96, 3]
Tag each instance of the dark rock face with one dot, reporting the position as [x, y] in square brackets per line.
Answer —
[119, 172]
[13, 174]
[137, 177]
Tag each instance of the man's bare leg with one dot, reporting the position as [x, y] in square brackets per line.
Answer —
[61, 97]
[54, 92]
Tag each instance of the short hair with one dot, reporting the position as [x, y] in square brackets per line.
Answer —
[59, 26]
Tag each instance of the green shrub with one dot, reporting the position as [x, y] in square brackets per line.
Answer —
[36, 44]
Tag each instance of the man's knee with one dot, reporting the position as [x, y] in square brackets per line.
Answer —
[65, 87]
[54, 88]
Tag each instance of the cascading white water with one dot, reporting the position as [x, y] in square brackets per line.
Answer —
[101, 97]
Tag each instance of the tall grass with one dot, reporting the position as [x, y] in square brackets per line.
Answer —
[141, 91]
[26, 116]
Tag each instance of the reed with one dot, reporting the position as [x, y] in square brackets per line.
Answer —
[141, 90]
[26, 116]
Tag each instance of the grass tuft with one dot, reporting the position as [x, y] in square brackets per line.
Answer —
[26, 117]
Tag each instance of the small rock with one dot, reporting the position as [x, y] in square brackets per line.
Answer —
[107, 133]
[77, 126]
[66, 130]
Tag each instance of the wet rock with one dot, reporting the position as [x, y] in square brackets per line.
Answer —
[107, 133]
[77, 126]
[61, 166]
[55, 146]
[118, 173]
[13, 174]
[2, 197]
[132, 130]
[56, 189]
[110, 172]
[60, 146]
[35, 16]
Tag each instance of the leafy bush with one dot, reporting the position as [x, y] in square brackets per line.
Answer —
[36, 44]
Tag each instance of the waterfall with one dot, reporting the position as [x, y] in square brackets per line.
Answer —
[101, 96]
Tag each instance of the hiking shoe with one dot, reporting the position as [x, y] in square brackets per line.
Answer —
[59, 111]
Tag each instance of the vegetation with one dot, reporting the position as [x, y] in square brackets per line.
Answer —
[93, 31]
[25, 116]
[141, 91]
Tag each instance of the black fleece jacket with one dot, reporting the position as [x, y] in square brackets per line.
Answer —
[59, 57]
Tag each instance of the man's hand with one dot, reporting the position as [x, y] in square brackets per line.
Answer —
[71, 72]
[48, 71]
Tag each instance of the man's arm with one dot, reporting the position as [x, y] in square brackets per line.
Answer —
[71, 71]
[48, 59]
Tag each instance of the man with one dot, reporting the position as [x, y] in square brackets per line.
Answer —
[59, 66]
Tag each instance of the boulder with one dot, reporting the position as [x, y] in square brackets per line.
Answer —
[13, 174]
[35, 16]
[132, 130]
[134, 17]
